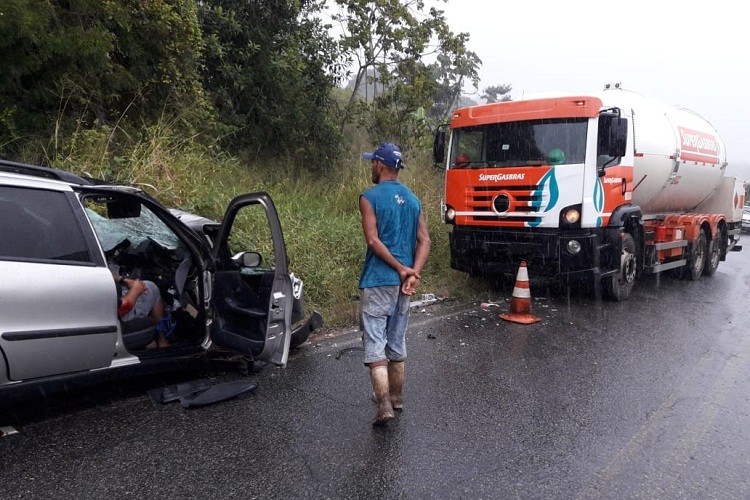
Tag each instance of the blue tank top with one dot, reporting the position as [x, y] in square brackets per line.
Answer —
[397, 212]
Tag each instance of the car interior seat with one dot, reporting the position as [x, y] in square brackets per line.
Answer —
[137, 333]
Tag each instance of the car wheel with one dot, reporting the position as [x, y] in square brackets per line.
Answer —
[303, 325]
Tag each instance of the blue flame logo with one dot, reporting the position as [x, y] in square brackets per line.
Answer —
[547, 183]
[599, 200]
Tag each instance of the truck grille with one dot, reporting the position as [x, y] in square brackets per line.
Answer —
[522, 203]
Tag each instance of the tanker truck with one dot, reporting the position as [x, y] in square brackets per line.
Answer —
[599, 188]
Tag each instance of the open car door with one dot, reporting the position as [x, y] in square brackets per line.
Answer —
[252, 292]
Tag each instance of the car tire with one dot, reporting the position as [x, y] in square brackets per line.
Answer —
[303, 325]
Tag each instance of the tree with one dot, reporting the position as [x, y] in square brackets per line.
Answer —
[266, 70]
[497, 93]
[76, 62]
[397, 39]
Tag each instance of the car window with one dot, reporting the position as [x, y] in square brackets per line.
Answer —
[251, 233]
[40, 225]
[116, 220]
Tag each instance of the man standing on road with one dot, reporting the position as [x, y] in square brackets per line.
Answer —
[398, 246]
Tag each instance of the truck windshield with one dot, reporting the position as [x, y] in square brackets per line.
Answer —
[524, 143]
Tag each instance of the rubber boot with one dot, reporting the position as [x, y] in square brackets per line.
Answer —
[379, 379]
[396, 384]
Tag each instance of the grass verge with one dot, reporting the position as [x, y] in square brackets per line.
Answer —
[319, 213]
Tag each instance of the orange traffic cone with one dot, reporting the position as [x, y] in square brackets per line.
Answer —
[520, 301]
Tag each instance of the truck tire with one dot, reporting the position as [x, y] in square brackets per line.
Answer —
[696, 258]
[619, 286]
[717, 249]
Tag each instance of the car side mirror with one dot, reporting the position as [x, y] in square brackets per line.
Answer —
[248, 259]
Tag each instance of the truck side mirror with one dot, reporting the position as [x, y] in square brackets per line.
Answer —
[438, 147]
[613, 135]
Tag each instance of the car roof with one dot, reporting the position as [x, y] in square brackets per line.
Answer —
[22, 174]
[26, 181]
[43, 173]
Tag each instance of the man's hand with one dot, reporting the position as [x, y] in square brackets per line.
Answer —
[410, 284]
[407, 272]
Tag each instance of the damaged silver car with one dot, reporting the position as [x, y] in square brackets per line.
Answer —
[64, 237]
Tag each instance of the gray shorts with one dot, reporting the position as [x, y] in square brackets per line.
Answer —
[384, 317]
[144, 303]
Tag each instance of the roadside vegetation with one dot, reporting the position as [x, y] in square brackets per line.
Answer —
[197, 102]
[319, 211]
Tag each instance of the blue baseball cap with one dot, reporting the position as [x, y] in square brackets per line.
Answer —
[388, 153]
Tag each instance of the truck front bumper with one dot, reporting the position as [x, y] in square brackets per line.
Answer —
[547, 252]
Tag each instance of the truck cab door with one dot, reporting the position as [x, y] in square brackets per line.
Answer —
[252, 296]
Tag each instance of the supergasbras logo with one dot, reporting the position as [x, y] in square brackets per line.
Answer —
[501, 177]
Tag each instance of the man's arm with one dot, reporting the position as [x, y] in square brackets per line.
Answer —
[370, 228]
[423, 245]
[135, 288]
[421, 253]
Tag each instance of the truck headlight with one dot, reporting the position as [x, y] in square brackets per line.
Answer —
[571, 215]
[573, 247]
[450, 214]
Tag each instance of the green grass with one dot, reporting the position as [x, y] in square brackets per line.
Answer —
[319, 214]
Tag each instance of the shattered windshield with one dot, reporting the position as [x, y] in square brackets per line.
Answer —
[524, 143]
[136, 225]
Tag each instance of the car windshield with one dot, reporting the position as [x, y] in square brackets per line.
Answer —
[141, 224]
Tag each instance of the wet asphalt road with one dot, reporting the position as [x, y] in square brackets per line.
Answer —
[644, 399]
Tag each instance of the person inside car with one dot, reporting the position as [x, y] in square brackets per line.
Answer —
[140, 299]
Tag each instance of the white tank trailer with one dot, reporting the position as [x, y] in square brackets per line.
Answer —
[679, 157]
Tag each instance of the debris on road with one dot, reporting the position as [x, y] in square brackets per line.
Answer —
[7, 430]
[426, 300]
[201, 392]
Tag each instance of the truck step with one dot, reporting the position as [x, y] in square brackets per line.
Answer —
[657, 268]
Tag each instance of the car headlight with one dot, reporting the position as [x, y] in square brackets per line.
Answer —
[296, 286]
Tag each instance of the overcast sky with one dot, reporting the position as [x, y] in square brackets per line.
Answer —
[692, 54]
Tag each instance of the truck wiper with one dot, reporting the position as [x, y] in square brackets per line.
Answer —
[469, 165]
[519, 163]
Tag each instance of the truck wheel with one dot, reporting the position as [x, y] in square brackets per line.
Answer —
[718, 248]
[619, 286]
[696, 259]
